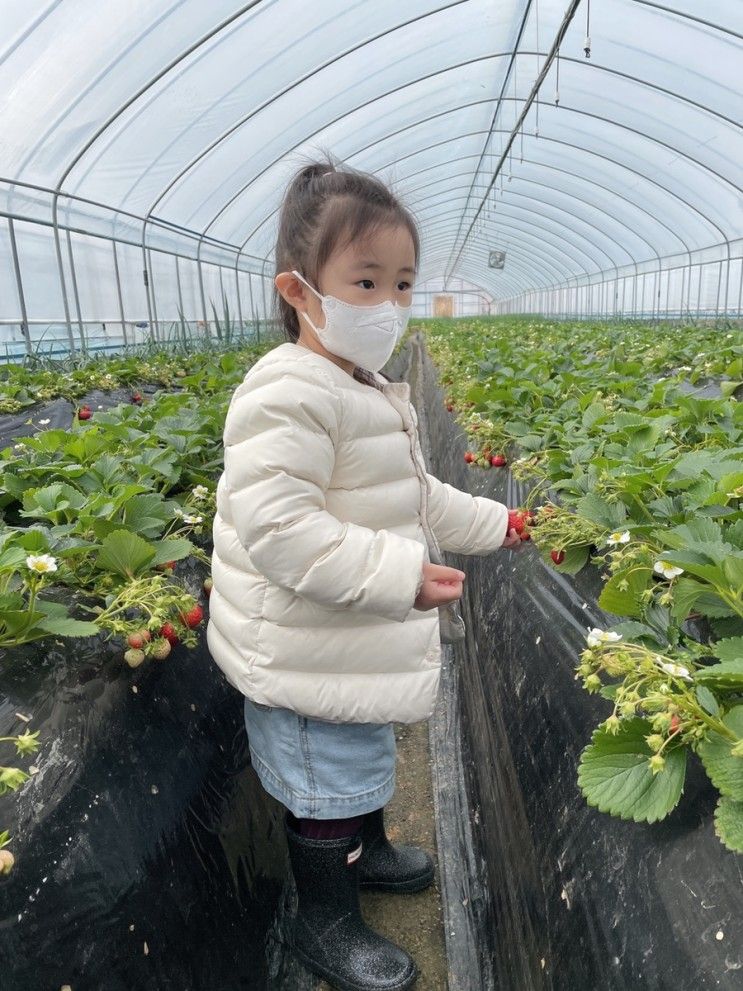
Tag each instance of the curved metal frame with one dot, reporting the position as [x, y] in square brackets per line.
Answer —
[203, 236]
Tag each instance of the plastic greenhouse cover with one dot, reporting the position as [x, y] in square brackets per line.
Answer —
[158, 113]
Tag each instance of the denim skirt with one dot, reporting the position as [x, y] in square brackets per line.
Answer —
[319, 769]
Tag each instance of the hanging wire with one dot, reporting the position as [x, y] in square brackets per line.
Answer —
[536, 112]
[557, 80]
[587, 42]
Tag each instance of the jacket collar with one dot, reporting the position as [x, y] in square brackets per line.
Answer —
[400, 390]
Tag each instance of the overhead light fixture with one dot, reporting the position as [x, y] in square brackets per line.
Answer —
[497, 259]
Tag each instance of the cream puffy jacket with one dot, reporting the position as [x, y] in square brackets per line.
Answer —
[319, 546]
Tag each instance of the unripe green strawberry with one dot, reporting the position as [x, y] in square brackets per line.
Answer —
[160, 649]
[134, 657]
[208, 585]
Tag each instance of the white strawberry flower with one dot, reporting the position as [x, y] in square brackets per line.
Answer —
[43, 423]
[677, 670]
[200, 492]
[41, 563]
[618, 537]
[178, 511]
[597, 636]
[18, 447]
[666, 569]
[193, 520]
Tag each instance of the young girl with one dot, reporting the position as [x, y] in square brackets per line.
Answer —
[323, 610]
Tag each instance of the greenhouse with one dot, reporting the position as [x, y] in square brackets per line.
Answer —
[283, 551]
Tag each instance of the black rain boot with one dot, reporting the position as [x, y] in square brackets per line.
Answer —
[387, 867]
[328, 934]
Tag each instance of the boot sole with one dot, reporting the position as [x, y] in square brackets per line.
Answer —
[340, 982]
[413, 884]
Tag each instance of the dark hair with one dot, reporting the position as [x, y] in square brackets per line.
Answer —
[322, 213]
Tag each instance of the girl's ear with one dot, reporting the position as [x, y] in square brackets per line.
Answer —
[291, 289]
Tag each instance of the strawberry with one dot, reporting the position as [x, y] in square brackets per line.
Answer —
[6, 861]
[450, 408]
[160, 649]
[469, 457]
[193, 617]
[557, 556]
[137, 398]
[84, 414]
[675, 722]
[498, 460]
[208, 585]
[165, 566]
[167, 631]
[134, 657]
[138, 639]
[515, 521]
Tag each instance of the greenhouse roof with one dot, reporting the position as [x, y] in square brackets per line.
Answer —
[499, 124]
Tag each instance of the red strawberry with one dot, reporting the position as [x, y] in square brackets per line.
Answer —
[450, 408]
[675, 723]
[498, 460]
[165, 566]
[469, 457]
[136, 398]
[515, 521]
[557, 556]
[84, 414]
[193, 617]
[167, 631]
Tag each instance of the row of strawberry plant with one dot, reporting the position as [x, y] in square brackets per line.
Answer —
[96, 517]
[633, 473]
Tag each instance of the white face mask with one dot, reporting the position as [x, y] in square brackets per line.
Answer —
[366, 335]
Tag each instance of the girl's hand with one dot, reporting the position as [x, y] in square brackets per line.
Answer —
[441, 584]
[512, 539]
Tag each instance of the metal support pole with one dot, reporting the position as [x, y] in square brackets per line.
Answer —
[19, 283]
[119, 293]
[75, 293]
[154, 295]
[181, 309]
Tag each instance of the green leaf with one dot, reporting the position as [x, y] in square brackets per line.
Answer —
[614, 774]
[728, 388]
[68, 627]
[707, 700]
[124, 553]
[632, 630]
[598, 510]
[726, 676]
[171, 550]
[575, 559]
[625, 602]
[724, 770]
[730, 649]
[729, 823]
